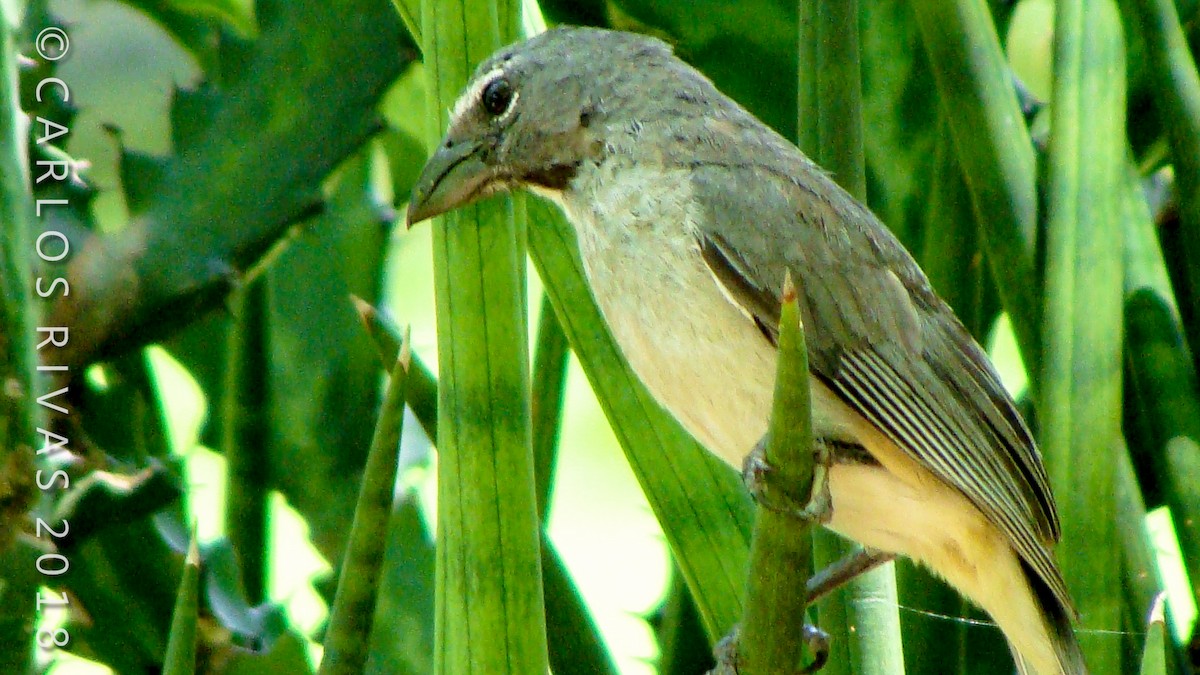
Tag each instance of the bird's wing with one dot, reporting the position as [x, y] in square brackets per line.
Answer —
[878, 336]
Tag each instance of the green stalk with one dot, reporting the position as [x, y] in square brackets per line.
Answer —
[994, 151]
[836, 81]
[549, 389]
[1177, 94]
[347, 640]
[490, 615]
[829, 56]
[952, 256]
[1154, 660]
[19, 413]
[781, 549]
[833, 610]
[1080, 411]
[180, 658]
[246, 436]
[575, 644]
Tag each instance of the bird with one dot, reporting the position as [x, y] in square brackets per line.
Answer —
[688, 213]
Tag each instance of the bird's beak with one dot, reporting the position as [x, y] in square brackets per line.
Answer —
[451, 178]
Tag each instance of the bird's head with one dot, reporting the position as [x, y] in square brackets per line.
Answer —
[534, 112]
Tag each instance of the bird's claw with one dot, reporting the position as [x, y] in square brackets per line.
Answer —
[757, 475]
[815, 639]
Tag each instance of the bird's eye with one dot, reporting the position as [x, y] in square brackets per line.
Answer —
[497, 96]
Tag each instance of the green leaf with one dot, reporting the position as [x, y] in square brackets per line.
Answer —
[238, 14]
[726, 41]
[422, 385]
[900, 123]
[220, 207]
[549, 390]
[123, 580]
[1080, 404]
[490, 613]
[196, 34]
[181, 644]
[1177, 95]
[347, 637]
[575, 645]
[246, 435]
[1154, 660]
[994, 151]
[402, 642]
[102, 499]
[323, 374]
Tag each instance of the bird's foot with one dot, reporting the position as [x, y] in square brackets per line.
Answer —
[815, 639]
[759, 477]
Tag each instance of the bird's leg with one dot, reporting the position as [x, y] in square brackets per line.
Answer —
[853, 564]
[757, 476]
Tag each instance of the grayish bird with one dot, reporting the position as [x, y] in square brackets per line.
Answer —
[688, 212]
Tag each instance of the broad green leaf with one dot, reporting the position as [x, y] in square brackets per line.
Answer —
[994, 151]
[490, 615]
[1080, 384]
[1177, 95]
[726, 41]
[222, 206]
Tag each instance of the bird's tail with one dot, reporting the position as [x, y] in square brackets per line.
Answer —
[1057, 621]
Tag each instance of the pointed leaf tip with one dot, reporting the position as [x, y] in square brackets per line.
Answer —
[789, 288]
[1158, 610]
[405, 357]
[365, 310]
[193, 554]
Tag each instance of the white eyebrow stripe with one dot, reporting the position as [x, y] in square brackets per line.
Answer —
[471, 95]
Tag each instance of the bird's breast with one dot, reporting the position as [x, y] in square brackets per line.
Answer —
[697, 352]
